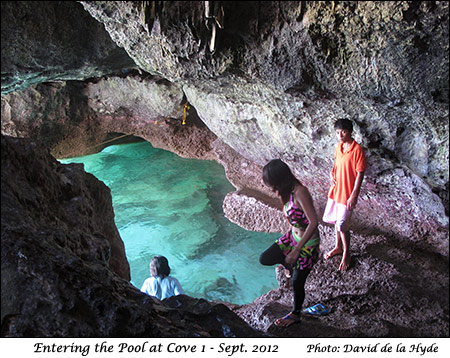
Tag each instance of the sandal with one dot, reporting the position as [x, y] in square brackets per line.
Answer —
[317, 310]
[289, 316]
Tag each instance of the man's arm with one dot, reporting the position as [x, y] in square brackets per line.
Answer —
[351, 202]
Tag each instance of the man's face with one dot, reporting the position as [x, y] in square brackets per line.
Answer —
[343, 135]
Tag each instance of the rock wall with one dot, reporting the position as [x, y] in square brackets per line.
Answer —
[42, 199]
[278, 77]
[64, 270]
[63, 274]
[283, 72]
[46, 41]
[75, 118]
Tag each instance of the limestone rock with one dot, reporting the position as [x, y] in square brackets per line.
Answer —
[383, 50]
[261, 123]
[254, 214]
[75, 118]
[392, 291]
[64, 270]
[281, 73]
[53, 41]
[279, 77]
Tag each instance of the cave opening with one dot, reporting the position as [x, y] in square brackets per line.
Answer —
[172, 206]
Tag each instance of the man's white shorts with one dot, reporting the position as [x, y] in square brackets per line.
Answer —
[338, 215]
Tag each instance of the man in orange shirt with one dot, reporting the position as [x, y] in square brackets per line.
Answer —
[346, 176]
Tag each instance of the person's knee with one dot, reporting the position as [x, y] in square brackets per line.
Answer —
[263, 259]
[342, 233]
[270, 256]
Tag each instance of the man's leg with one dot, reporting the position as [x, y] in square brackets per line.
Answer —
[338, 247]
[345, 262]
[342, 237]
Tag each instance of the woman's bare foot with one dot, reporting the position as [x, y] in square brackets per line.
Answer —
[334, 252]
[287, 320]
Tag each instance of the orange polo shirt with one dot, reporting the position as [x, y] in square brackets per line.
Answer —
[345, 169]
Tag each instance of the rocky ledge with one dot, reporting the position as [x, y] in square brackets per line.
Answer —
[64, 273]
[391, 290]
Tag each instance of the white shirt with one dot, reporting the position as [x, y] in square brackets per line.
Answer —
[162, 287]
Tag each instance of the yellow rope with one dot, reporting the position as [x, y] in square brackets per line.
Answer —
[185, 107]
[107, 141]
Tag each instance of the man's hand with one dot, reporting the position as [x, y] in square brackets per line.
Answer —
[351, 202]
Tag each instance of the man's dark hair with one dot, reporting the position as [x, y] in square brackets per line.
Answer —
[344, 123]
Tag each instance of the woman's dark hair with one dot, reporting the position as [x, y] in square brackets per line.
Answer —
[159, 266]
[344, 123]
[279, 177]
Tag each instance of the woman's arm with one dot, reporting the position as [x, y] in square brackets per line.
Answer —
[303, 197]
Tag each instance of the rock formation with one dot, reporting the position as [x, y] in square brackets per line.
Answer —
[64, 270]
[278, 76]
[52, 42]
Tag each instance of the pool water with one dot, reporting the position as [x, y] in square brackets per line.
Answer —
[172, 206]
